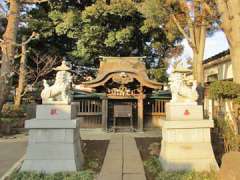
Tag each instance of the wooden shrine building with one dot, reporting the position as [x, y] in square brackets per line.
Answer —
[122, 97]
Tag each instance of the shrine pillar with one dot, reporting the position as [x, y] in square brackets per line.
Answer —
[104, 113]
[140, 112]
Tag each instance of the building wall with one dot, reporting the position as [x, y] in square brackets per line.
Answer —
[217, 69]
[223, 71]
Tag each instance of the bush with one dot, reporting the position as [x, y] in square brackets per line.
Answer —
[227, 90]
[81, 175]
[153, 166]
[230, 138]
[224, 90]
[10, 117]
[9, 111]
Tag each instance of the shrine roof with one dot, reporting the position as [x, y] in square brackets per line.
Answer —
[133, 66]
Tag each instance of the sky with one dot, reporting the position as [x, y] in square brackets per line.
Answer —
[214, 45]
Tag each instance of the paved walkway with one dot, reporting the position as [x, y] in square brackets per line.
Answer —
[99, 134]
[11, 150]
[122, 160]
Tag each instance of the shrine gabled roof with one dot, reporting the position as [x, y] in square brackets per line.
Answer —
[133, 66]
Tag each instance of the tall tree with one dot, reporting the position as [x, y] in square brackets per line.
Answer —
[230, 17]
[109, 28]
[8, 46]
[193, 22]
[190, 18]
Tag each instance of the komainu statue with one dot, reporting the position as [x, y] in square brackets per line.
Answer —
[183, 90]
[60, 91]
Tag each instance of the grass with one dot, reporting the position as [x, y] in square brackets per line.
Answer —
[153, 166]
[81, 175]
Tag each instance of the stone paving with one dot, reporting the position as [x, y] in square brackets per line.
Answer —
[122, 155]
[99, 134]
[122, 160]
[11, 150]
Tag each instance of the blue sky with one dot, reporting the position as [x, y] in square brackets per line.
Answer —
[214, 45]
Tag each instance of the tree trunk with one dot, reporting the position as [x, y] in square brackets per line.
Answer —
[22, 75]
[198, 67]
[8, 50]
[198, 54]
[235, 58]
[230, 16]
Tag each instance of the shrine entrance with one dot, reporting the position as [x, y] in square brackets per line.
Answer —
[120, 93]
[125, 114]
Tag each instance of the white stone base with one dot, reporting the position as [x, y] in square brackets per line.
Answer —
[183, 111]
[186, 145]
[53, 146]
[54, 140]
[56, 111]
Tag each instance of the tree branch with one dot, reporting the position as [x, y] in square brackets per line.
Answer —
[32, 37]
[32, 1]
[182, 31]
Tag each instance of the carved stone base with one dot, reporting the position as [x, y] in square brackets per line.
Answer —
[186, 145]
[183, 111]
[54, 141]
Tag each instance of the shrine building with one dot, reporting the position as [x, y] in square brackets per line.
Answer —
[122, 97]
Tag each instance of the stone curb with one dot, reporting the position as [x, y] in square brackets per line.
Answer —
[14, 167]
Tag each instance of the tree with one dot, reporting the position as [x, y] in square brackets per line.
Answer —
[8, 46]
[50, 40]
[230, 17]
[190, 18]
[22, 69]
[30, 73]
[103, 29]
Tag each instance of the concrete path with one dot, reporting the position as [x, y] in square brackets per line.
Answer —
[122, 160]
[10, 152]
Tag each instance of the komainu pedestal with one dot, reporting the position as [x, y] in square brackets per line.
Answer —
[186, 140]
[54, 140]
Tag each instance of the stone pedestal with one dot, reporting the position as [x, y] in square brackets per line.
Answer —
[54, 140]
[186, 142]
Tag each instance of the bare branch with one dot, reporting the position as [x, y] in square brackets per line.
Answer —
[43, 65]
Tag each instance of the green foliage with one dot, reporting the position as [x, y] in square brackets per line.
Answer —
[231, 139]
[164, 33]
[109, 30]
[10, 114]
[230, 91]
[153, 166]
[81, 175]
[224, 90]
[82, 31]
[52, 39]
[158, 74]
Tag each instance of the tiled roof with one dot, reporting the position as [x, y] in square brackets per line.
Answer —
[217, 56]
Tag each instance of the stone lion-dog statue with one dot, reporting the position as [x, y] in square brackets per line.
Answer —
[60, 91]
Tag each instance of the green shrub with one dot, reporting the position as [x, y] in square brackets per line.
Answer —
[224, 90]
[9, 111]
[81, 175]
[10, 115]
[231, 139]
[153, 166]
